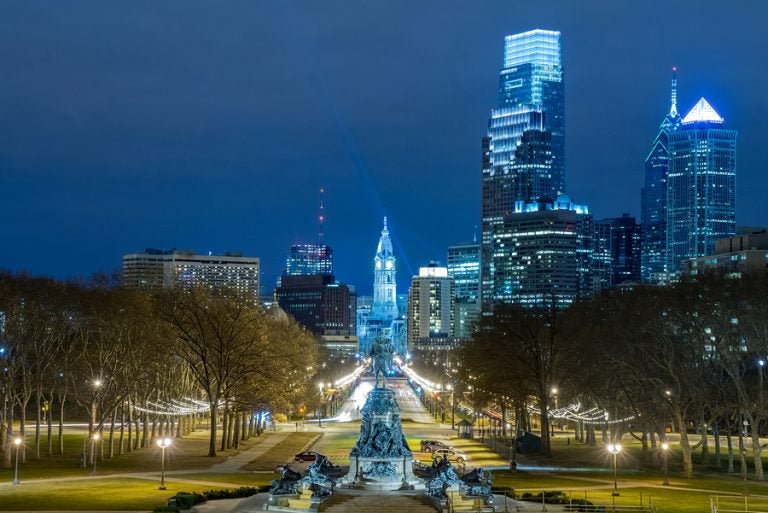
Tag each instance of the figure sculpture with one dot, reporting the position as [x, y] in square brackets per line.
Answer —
[287, 482]
[381, 353]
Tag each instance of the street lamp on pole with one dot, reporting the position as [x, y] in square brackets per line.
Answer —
[615, 449]
[163, 443]
[94, 439]
[320, 406]
[665, 453]
[552, 421]
[17, 442]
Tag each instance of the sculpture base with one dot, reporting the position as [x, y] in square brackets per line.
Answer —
[373, 473]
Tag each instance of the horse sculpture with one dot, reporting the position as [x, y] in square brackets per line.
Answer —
[381, 353]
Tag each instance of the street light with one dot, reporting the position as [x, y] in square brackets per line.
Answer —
[163, 443]
[665, 453]
[615, 449]
[554, 396]
[94, 439]
[320, 406]
[17, 443]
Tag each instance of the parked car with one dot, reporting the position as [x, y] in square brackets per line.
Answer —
[433, 445]
[450, 454]
[308, 456]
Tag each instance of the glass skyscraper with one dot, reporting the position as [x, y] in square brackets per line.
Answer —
[701, 185]
[309, 259]
[530, 112]
[653, 199]
[464, 267]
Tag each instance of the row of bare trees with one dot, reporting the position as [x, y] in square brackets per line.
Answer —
[689, 356]
[126, 363]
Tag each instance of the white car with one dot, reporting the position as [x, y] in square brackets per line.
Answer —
[451, 455]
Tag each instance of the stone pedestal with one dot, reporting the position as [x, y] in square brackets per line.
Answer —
[381, 459]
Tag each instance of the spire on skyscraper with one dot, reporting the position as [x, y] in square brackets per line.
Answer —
[673, 108]
[385, 243]
[321, 216]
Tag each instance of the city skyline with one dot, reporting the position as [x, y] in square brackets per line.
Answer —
[215, 130]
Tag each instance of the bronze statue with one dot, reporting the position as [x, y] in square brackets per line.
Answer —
[381, 353]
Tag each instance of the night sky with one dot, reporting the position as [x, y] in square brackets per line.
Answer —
[212, 125]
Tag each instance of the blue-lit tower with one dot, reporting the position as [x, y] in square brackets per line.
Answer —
[384, 317]
[524, 149]
[701, 185]
[653, 197]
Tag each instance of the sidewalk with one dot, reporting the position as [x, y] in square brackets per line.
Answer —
[236, 462]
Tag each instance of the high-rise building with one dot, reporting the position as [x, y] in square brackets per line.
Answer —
[701, 186]
[430, 307]
[616, 258]
[653, 198]
[383, 318]
[464, 267]
[319, 303]
[746, 252]
[157, 270]
[524, 150]
[308, 259]
[542, 254]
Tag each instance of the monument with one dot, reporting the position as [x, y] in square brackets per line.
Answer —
[381, 458]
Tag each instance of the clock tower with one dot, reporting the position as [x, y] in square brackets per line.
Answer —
[384, 278]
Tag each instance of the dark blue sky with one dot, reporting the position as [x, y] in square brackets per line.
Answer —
[212, 125]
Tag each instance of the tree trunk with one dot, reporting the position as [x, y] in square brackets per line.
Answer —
[718, 450]
[757, 450]
[704, 443]
[685, 446]
[38, 421]
[212, 440]
[112, 434]
[121, 446]
[742, 452]
[729, 442]
[61, 424]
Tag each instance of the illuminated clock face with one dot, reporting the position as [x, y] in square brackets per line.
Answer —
[378, 264]
[389, 264]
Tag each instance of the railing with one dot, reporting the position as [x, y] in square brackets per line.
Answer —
[737, 504]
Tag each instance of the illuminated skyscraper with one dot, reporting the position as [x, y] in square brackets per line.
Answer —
[524, 150]
[653, 199]
[616, 258]
[309, 259]
[430, 307]
[701, 186]
[542, 254]
[464, 267]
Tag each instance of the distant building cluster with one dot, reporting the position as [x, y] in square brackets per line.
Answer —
[538, 247]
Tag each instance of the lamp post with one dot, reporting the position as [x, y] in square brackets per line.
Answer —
[665, 453]
[320, 406]
[17, 443]
[94, 439]
[554, 396]
[163, 443]
[615, 449]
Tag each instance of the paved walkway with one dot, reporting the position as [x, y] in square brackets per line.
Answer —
[236, 462]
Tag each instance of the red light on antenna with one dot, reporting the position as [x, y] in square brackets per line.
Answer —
[674, 68]
[322, 189]
[322, 218]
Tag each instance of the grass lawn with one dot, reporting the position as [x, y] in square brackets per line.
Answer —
[236, 478]
[187, 453]
[92, 494]
[282, 452]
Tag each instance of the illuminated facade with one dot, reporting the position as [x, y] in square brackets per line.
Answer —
[701, 186]
[653, 198]
[616, 258]
[542, 254]
[308, 259]
[524, 150]
[746, 252]
[319, 303]
[430, 306]
[383, 318]
[464, 267]
[156, 270]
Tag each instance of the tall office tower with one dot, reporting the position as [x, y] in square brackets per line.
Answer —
[542, 254]
[526, 135]
[157, 270]
[616, 258]
[464, 267]
[430, 307]
[653, 197]
[701, 186]
[308, 259]
[383, 317]
[319, 303]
